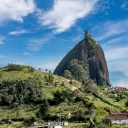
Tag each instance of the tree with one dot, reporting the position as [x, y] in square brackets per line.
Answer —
[67, 74]
[50, 77]
[39, 69]
[77, 70]
[15, 105]
[126, 103]
[44, 109]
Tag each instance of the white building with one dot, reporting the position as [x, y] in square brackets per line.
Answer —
[118, 89]
[54, 124]
[118, 118]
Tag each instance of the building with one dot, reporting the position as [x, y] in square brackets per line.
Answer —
[54, 125]
[87, 33]
[51, 126]
[112, 95]
[120, 88]
[117, 89]
[118, 118]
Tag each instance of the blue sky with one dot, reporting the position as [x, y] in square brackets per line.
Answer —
[41, 32]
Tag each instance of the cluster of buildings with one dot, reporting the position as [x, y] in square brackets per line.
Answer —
[118, 89]
[117, 118]
[115, 89]
[54, 124]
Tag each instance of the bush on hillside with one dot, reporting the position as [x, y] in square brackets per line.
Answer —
[12, 67]
[43, 110]
[68, 74]
[126, 103]
[61, 93]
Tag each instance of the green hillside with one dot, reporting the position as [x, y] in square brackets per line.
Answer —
[28, 95]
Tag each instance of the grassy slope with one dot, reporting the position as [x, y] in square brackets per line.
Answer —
[30, 110]
[121, 103]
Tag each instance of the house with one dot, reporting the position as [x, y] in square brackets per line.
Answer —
[54, 124]
[111, 88]
[57, 124]
[47, 126]
[43, 126]
[120, 88]
[118, 118]
[112, 95]
[117, 89]
[101, 94]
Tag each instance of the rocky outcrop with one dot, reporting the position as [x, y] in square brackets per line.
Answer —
[86, 61]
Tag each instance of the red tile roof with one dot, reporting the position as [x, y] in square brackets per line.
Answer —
[117, 87]
[118, 116]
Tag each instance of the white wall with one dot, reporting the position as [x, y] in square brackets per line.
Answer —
[55, 126]
[58, 126]
[119, 121]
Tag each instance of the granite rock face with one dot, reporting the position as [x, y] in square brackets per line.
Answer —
[86, 61]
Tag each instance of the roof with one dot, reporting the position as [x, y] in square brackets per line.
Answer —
[118, 116]
[120, 87]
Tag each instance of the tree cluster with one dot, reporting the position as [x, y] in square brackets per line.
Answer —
[21, 92]
[12, 67]
[76, 70]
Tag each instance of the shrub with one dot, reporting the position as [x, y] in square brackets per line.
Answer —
[126, 103]
[43, 110]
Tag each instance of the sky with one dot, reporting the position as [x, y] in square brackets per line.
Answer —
[40, 33]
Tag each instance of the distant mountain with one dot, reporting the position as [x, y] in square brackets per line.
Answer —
[86, 61]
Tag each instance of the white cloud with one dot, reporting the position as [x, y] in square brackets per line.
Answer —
[111, 28]
[125, 5]
[114, 53]
[117, 40]
[1, 56]
[35, 44]
[79, 34]
[27, 53]
[1, 42]
[2, 38]
[21, 63]
[15, 9]
[65, 13]
[117, 59]
[19, 32]
[118, 66]
[50, 65]
[122, 83]
[120, 74]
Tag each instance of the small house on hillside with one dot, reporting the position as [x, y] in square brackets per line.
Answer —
[118, 118]
[120, 88]
[54, 125]
[112, 95]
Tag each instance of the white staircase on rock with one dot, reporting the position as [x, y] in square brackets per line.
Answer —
[86, 61]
